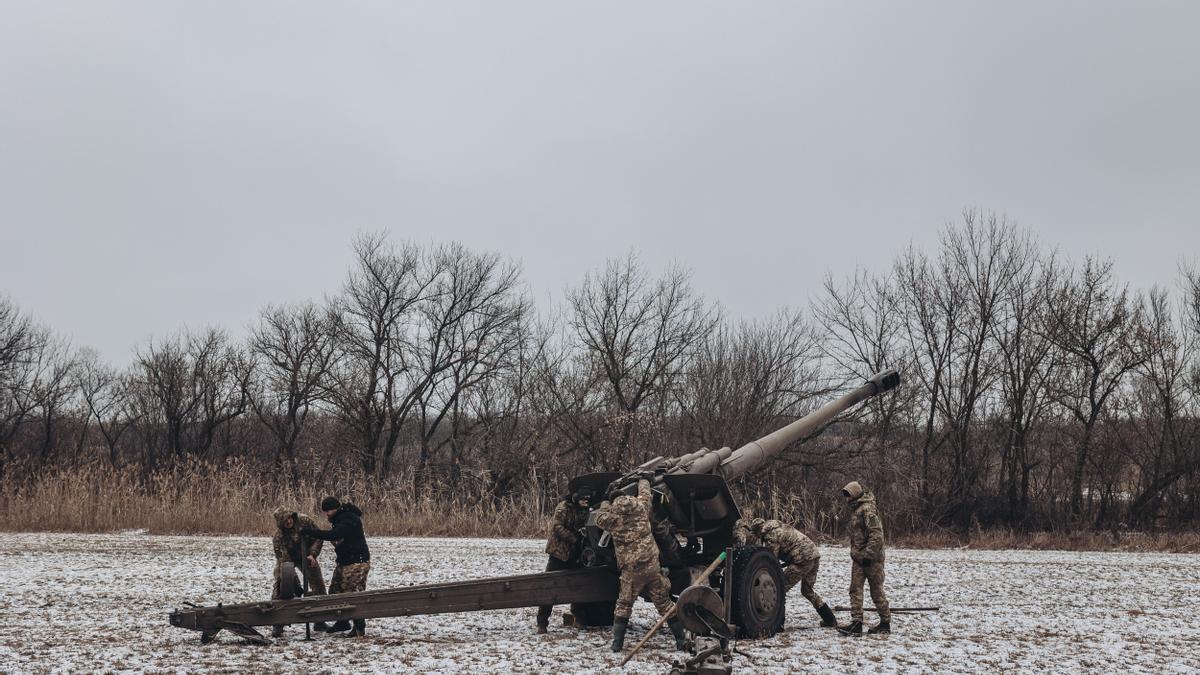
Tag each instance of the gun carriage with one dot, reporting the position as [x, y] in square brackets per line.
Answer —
[693, 517]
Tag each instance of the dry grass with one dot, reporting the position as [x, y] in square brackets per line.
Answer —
[200, 498]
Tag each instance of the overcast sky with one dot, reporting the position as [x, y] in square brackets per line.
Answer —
[170, 163]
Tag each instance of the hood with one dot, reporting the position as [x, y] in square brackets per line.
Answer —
[866, 498]
[351, 509]
[854, 489]
[281, 514]
[767, 528]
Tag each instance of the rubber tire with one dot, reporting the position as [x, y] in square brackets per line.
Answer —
[287, 581]
[594, 613]
[754, 567]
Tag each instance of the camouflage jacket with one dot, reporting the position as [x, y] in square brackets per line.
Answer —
[788, 544]
[627, 521]
[565, 524]
[743, 535]
[866, 529]
[287, 540]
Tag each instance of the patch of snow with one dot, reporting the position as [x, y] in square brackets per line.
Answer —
[83, 603]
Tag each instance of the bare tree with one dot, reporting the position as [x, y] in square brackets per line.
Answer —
[929, 312]
[191, 388]
[1164, 409]
[288, 359]
[108, 396]
[1027, 364]
[863, 321]
[747, 379]
[1096, 325]
[375, 357]
[640, 332]
[470, 328]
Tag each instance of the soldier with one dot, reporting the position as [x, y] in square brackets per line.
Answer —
[287, 545]
[570, 517]
[800, 559]
[866, 559]
[627, 521]
[353, 556]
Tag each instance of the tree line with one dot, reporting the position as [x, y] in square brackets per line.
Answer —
[1039, 392]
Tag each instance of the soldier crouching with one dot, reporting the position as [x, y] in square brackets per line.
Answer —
[289, 547]
[569, 519]
[801, 562]
[627, 521]
[353, 555]
[866, 556]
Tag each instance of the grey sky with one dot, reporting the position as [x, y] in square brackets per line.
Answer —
[164, 163]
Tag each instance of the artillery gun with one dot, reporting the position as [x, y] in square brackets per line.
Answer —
[694, 515]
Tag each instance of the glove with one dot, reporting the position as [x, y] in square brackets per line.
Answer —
[865, 562]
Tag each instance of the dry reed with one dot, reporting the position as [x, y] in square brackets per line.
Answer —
[202, 498]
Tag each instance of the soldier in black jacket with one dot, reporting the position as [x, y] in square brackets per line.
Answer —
[353, 556]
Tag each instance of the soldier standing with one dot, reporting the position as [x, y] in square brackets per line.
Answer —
[353, 556]
[569, 519]
[801, 561]
[287, 543]
[866, 559]
[627, 521]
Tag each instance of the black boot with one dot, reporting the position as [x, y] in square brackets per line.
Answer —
[676, 627]
[360, 629]
[883, 627]
[828, 620]
[320, 626]
[338, 627]
[853, 628]
[619, 626]
[276, 631]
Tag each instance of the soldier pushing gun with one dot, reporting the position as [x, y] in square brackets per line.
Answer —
[562, 545]
[627, 521]
[799, 555]
[289, 545]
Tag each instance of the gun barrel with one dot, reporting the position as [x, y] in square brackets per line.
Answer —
[755, 453]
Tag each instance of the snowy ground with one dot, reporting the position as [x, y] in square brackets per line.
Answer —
[83, 603]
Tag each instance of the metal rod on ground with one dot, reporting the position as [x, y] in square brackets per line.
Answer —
[841, 608]
[304, 571]
[666, 617]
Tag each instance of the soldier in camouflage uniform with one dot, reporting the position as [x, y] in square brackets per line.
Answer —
[801, 561]
[288, 548]
[866, 556]
[353, 555]
[627, 521]
[566, 526]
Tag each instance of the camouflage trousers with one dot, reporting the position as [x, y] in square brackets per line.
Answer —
[874, 576]
[805, 574]
[316, 582]
[636, 581]
[349, 578]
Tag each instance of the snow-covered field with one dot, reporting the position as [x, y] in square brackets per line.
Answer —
[85, 603]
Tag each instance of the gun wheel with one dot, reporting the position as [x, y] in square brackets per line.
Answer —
[758, 596]
[288, 588]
